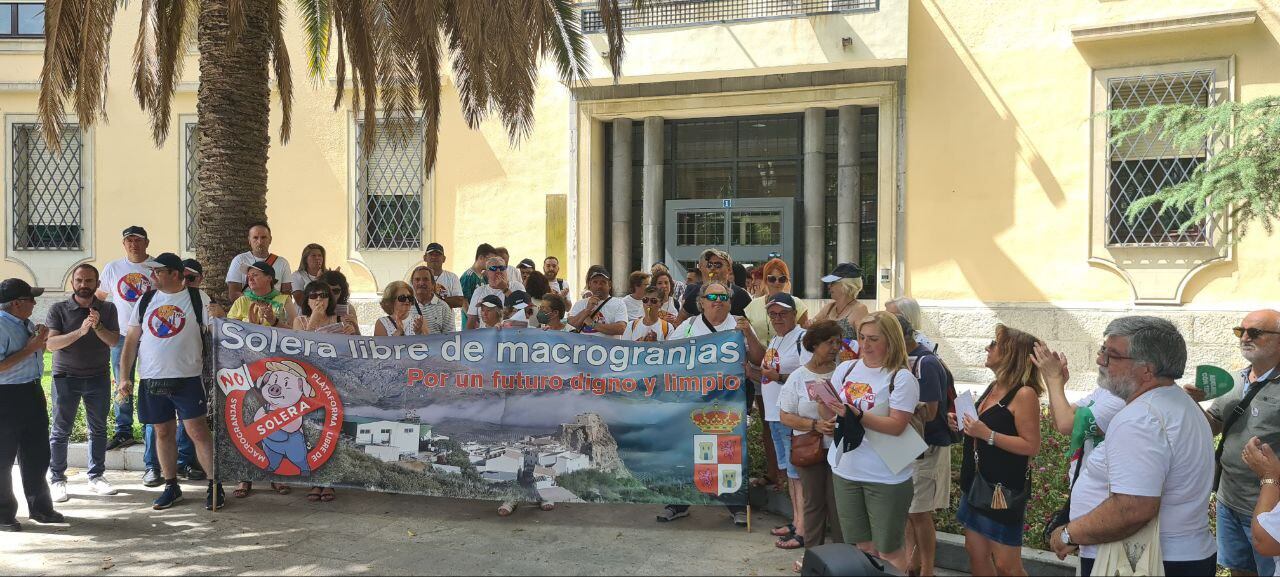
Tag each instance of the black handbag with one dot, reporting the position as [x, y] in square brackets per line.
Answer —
[984, 494]
[163, 387]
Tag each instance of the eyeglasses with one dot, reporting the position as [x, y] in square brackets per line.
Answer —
[404, 299]
[717, 297]
[1108, 356]
[780, 315]
[498, 268]
[318, 295]
[649, 301]
[1253, 332]
[715, 264]
[775, 279]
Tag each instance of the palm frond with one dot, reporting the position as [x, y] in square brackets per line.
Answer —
[611, 20]
[171, 21]
[283, 73]
[316, 21]
[144, 51]
[62, 22]
[91, 75]
[564, 40]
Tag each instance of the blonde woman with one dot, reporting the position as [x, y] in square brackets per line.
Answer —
[397, 302]
[877, 393]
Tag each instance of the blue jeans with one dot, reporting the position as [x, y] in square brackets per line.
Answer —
[67, 393]
[1235, 543]
[186, 449]
[123, 408]
[781, 435]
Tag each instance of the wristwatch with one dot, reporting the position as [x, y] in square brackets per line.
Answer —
[991, 440]
[1066, 535]
[1268, 482]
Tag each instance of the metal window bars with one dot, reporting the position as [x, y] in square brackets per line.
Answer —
[1141, 165]
[389, 186]
[665, 13]
[191, 171]
[47, 189]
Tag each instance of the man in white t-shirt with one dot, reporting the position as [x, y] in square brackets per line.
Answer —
[166, 335]
[600, 312]
[1157, 460]
[500, 285]
[1084, 422]
[124, 281]
[448, 286]
[259, 250]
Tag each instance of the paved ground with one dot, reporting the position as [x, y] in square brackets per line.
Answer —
[377, 534]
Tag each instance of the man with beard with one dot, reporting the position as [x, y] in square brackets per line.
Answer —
[1256, 408]
[82, 330]
[1157, 461]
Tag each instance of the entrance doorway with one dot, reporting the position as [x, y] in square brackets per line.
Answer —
[753, 230]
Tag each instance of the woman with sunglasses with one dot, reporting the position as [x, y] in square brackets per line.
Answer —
[668, 293]
[319, 311]
[775, 278]
[341, 291]
[651, 327]
[397, 302]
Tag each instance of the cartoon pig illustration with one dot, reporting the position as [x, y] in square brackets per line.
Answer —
[283, 385]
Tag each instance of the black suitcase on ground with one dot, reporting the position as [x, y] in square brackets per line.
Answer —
[839, 559]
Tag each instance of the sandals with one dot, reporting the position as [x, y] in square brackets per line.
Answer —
[243, 489]
[793, 542]
[506, 508]
[281, 488]
[314, 494]
[327, 494]
[547, 505]
[783, 530]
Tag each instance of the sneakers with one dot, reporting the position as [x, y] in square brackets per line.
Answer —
[740, 518]
[192, 473]
[120, 442]
[208, 496]
[11, 526]
[172, 494]
[58, 491]
[46, 517]
[671, 514]
[100, 486]
[152, 478]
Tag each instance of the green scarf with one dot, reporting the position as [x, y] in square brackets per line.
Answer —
[270, 298]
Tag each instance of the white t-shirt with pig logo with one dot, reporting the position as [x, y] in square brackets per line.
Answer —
[865, 388]
[171, 344]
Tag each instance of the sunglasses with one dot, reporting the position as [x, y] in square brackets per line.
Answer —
[775, 279]
[191, 278]
[650, 301]
[1253, 332]
[498, 268]
[715, 264]
[717, 297]
[404, 299]
[318, 295]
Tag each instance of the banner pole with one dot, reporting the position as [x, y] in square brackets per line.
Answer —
[748, 518]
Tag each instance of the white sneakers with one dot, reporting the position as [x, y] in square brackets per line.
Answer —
[97, 485]
[100, 486]
[58, 491]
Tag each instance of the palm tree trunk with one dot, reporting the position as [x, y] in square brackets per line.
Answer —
[234, 108]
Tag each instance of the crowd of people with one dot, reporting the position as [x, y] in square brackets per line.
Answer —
[833, 386]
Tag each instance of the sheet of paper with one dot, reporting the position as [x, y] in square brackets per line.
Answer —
[965, 406]
[897, 452]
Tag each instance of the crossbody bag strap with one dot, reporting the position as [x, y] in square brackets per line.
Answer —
[707, 323]
[1237, 412]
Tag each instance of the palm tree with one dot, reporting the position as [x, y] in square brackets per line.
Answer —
[394, 49]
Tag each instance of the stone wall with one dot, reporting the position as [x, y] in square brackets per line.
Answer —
[963, 332]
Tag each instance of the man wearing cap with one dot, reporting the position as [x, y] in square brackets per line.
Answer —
[259, 250]
[782, 356]
[517, 310]
[714, 264]
[599, 312]
[447, 284]
[165, 335]
[431, 313]
[124, 281]
[500, 285]
[82, 330]
[489, 315]
[526, 268]
[24, 420]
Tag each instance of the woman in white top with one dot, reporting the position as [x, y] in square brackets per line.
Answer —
[397, 302]
[651, 327]
[805, 413]
[866, 488]
[310, 267]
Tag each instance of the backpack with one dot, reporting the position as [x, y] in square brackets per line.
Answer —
[192, 292]
[948, 387]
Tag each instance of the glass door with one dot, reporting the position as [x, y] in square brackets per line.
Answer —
[751, 230]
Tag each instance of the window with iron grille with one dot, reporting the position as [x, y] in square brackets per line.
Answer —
[191, 182]
[389, 183]
[47, 189]
[21, 19]
[1145, 163]
[662, 13]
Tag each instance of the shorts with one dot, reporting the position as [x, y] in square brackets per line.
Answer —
[781, 435]
[932, 481]
[1235, 543]
[873, 512]
[188, 402]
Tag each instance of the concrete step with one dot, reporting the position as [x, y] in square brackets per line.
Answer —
[126, 459]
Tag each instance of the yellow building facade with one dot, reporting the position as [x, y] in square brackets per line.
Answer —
[951, 148]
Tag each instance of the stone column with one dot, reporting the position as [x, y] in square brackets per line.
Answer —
[848, 186]
[815, 211]
[651, 218]
[620, 223]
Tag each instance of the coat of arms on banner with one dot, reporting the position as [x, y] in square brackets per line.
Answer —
[717, 453]
[273, 435]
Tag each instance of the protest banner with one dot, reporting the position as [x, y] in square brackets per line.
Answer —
[495, 414]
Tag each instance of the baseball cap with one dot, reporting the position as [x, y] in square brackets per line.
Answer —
[842, 271]
[908, 331]
[526, 263]
[193, 265]
[517, 300]
[264, 268]
[491, 301]
[15, 288]
[134, 231]
[597, 270]
[435, 247]
[165, 260]
[783, 300]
